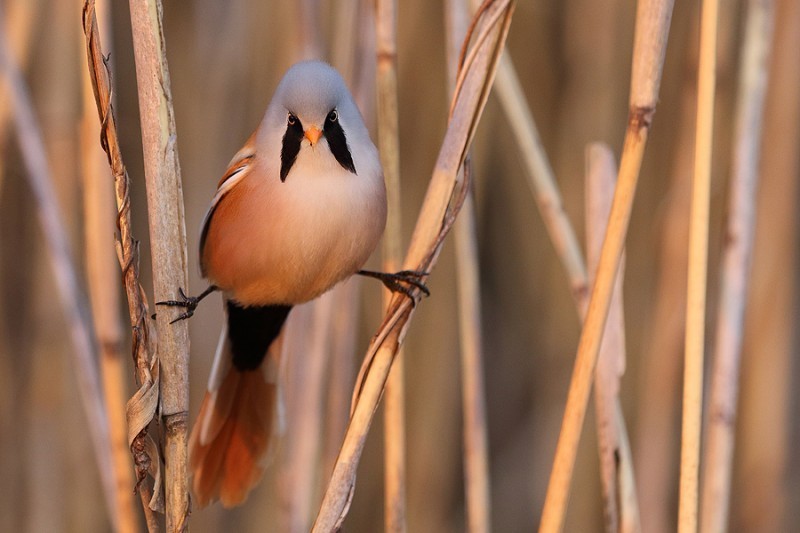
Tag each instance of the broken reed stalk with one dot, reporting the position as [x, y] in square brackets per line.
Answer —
[620, 507]
[652, 27]
[168, 246]
[141, 408]
[698, 267]
[737, 258]
[477, 493]
[102, 275]
[73, 300]
[439, 209]
[394, 431]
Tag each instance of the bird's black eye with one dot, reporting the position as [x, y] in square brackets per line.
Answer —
[292, 120]
[333, 116]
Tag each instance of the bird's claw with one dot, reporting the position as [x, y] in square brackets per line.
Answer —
[190, 303]
[401, 281]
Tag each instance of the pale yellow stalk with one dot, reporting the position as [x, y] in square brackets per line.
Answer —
[698, 267]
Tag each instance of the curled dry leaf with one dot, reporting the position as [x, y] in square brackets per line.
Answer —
[141, 408]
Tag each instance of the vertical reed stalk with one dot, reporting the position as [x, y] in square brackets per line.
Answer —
[340, 382]
[394, 436]
[350, 57]
[698, 267]
[475, 431]
[309, 334]
[620, 507]
[476, 439]
[70, 296]
[652, 27]
[766, 450]
[168, 243]
[309, 30]
[737, 258]
[661, 364]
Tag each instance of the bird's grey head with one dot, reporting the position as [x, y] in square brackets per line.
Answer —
[312, 105]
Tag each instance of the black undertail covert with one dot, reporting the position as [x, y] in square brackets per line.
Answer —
[251, 331]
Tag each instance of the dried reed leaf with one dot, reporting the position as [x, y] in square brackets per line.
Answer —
[141, 408]
[103, 280]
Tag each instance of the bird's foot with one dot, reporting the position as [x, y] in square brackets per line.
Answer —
[401, 281]
[189, 303]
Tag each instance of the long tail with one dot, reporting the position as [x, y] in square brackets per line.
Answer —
[234, 429]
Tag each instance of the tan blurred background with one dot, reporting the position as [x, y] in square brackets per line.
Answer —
[573, 58]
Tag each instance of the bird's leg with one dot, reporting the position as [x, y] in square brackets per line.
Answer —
[400, 281]
[189, 303]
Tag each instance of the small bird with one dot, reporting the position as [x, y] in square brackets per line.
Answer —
[300, 208]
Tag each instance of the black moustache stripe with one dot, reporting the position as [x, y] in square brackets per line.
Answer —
[338, 144]
[290, 146]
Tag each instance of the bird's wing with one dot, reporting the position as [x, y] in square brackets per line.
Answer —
[238, 168]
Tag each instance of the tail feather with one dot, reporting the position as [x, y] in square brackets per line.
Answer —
[240, 413]
[227, 466]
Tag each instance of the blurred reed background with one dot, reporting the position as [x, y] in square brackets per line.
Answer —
[573, 59]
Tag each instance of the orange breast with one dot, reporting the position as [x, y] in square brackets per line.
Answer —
[276, 243]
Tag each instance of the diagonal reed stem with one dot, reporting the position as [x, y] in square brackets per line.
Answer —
[439, 209]
[652, 26]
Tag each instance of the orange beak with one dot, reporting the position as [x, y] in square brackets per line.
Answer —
[313, 134]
